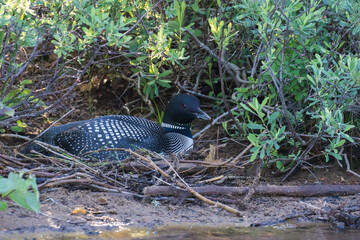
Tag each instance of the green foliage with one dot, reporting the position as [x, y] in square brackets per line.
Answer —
[305, 55]
[16, 188]
[300, 59]
[221, 35]
[159, 114]
[267, 142]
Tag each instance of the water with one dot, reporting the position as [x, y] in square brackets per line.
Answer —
[280, 232]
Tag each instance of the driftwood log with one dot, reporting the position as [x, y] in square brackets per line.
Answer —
[272, 190]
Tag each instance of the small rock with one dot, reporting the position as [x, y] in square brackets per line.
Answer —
[102, 201]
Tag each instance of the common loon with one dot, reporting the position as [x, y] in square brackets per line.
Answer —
[82, 138]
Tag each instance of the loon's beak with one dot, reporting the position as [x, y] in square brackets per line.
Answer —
[202, 115]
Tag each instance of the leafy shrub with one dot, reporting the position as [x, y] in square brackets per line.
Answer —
[299, 59]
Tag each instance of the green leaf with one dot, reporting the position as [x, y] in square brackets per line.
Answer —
[254, 155]
[247, 108]
[318, 58]
[92, 14]
[3, 206]
[347, 137]
[16, 128]
[195, 6]
[164, 83]
[165, 73]
[254, 126]
[2, 33]
[156, 90]
[33, 202]
[129, 8]
[253, 139]
[6, 186]
[262, 153]
[141, 58]
[340, 143]
[174, 25]
[279, 165]
[273, 117]
[353, 64]
[24, 82]
[263, 103]
[151, 82]
[335, 155]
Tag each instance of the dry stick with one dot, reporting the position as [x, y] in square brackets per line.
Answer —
[209, 164]
[268, 190]
[254, 184]
[184, 185]
[196, 93]
[236, 159]
[90, 182]
[65, 181]
[74, 179]
[12, 160]
[348, 167]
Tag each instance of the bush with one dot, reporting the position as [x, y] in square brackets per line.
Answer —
[292, 67]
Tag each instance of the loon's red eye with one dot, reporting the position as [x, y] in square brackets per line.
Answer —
[183, 105]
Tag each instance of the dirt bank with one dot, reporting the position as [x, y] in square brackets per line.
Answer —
[96, 211]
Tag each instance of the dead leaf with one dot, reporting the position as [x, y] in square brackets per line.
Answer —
[79, 211]
[211, 156]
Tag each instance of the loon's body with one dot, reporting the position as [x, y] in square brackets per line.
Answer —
[91, 138]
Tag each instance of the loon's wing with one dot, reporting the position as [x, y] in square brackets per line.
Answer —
[111, 132]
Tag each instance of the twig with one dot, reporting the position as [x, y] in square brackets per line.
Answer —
[184, 185]
[236, 159]
[213, 122]
[255, 182]
[196, 93]
[348, 169]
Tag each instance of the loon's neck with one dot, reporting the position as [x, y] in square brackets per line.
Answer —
[183, 129]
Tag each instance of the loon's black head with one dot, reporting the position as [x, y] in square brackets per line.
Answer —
[183, 109]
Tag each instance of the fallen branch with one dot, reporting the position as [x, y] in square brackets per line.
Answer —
[273, 190]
